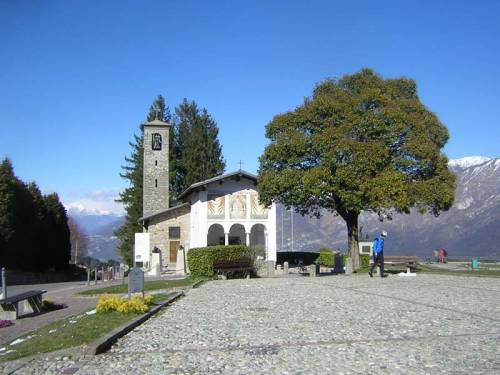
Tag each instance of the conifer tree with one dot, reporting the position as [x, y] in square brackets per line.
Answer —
[195, 155]
[8, 189]
[58, 242]
[199, 153]
[131, 197]
[34, 234]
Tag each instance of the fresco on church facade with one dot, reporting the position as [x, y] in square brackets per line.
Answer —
[216, 206]
[258, 211]
[237, 206]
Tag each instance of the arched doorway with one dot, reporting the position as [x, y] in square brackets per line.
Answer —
[258, 240]
[215, 235]
[237, 235]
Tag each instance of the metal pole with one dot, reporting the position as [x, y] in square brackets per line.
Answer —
[291, 211]
[88, 276]
[95, 276]
[282, 230]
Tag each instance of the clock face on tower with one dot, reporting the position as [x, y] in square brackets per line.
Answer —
[156, 141]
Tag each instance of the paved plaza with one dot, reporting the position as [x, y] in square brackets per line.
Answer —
[427, 324]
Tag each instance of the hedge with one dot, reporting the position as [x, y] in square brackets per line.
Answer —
[201, 259]
[326, 258]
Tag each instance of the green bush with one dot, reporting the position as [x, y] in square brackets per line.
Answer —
[326, 258]
[365, 261]
[201, 260]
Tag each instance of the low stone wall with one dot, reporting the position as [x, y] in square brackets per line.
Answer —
[14, 277]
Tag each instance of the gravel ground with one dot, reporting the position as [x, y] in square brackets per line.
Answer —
[333, 324]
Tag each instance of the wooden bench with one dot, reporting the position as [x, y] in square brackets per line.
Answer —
[20, 304]
[410, 262]
[231, 267]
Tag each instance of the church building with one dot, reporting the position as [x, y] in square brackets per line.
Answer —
[222, 210]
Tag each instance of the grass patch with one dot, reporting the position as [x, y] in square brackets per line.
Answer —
[85, 329]
[160, 297]
[148, 286]
[440, 271]
[64, 334]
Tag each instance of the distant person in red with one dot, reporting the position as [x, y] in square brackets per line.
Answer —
[442, 255]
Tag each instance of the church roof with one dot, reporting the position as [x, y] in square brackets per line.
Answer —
[157, 122]
[144, 218]
[202, 184]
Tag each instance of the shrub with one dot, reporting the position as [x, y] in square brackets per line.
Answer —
[326, 258]
[108, 303]
[201, 260]
[365, 262]
[136, 304]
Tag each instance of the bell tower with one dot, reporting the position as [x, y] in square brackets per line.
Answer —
[156, 167]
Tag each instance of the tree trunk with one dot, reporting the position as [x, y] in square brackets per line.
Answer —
[351, 220]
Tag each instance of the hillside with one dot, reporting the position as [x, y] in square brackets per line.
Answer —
[470, 227]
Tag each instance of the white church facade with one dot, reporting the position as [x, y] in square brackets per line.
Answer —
[222, 210]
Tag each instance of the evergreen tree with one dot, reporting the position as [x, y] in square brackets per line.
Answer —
[38, 227]
[8, 188]
[131, 197]
[195, 154]
[199, 153]
[57, 233]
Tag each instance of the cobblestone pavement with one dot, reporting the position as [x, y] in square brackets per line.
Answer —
[427, 324]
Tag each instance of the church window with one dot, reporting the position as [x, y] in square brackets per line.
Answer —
[156, 182]
[156, 141]
[174, 232]
[156, 163]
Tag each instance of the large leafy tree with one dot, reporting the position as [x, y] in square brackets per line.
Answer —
[360, 143]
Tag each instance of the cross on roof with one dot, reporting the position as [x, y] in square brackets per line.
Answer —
[240, 163]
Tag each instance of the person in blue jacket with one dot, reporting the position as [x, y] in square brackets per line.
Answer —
[378, 254]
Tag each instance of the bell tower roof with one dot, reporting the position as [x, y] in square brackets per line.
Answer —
[157, 122]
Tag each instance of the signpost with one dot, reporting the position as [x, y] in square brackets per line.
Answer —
[135, 281]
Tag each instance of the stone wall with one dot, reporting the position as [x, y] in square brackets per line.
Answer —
[159, 234]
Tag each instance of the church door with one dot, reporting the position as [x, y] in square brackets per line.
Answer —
[174, 246]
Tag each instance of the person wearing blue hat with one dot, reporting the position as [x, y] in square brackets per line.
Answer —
[378, 254]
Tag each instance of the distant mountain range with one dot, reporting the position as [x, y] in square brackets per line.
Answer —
[99, 229]
[470, 227]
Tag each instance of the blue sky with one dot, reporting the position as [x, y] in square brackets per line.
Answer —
[76, 78]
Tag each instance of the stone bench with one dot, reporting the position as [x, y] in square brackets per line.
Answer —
[11, 308]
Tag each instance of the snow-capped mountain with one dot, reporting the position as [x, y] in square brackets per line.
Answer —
[99, 228]
[467, 162]
[470, 227]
